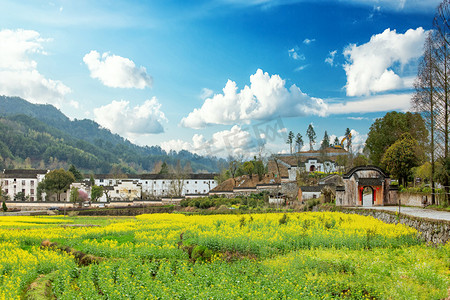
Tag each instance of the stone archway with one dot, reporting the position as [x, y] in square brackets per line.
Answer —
[359, 178]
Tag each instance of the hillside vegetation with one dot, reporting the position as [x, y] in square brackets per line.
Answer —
[40, 136]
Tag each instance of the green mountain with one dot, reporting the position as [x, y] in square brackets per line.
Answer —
[41, 136]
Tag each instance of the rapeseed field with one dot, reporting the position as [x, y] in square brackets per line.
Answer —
[322, 255]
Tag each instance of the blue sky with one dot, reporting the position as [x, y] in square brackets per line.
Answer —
[216, 77]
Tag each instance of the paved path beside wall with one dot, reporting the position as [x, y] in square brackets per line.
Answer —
[415, 212]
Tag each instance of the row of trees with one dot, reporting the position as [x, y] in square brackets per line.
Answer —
[238, 167]
[297, 140]
[432, 95]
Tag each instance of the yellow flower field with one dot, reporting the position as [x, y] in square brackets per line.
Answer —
[166, 256]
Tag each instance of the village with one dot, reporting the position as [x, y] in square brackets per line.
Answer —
[282, 182]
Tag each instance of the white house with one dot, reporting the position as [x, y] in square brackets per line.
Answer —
[158, 186]
[26, 181]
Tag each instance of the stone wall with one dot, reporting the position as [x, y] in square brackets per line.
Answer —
[434, 231]
[409, 199]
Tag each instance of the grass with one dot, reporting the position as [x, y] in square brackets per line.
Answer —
[255, 256]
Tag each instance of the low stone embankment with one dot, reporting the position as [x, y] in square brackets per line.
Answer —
[433, 231]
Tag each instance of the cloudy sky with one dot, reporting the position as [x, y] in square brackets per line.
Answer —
[216, 77]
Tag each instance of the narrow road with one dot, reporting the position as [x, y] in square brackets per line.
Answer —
[415, 212]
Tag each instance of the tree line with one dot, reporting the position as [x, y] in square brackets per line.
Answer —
[297, 140]
[431, 98]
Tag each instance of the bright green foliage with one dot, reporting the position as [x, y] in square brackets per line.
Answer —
[248, 167]
[57, 181]
[96, 192]
[423, 171]
[402, 157]
[259, 168]
[74, 196]
[77, 174]
[386, 131]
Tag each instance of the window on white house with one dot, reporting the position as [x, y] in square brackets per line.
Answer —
[23, 182]
[32, 182]
[6, 182]
[32, 191]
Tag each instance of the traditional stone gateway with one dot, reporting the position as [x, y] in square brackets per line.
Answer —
[365, 186]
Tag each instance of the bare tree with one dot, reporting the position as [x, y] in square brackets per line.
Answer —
[432, 91]
[177, 182]
[424, 100]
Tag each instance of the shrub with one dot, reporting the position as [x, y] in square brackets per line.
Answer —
[284, 219]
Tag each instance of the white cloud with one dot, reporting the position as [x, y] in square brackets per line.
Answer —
[116, 71]
[18, 71]
[308, 41]
[330, 58]
[265, 98]
[74, 104]
[300, 68]
[372, 104]
[206, 93]
[369, 67]
[294, 55]
[131, 122]
[236, 141]
[357, 118]
[358, 141]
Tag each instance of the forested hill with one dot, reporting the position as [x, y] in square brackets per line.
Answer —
[41, 136]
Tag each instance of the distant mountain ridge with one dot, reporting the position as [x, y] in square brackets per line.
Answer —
[42, 136]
